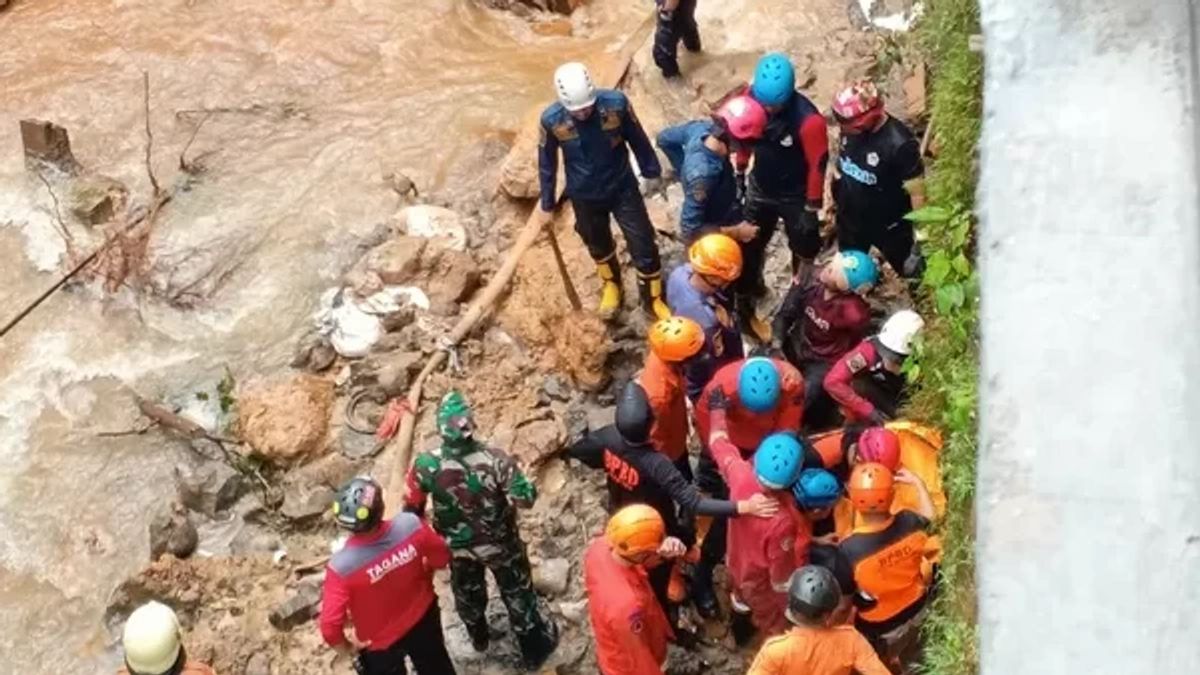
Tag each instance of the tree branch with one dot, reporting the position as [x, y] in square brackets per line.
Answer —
[62, 225]
[149, 134]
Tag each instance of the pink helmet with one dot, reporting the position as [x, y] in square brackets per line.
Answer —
[881, 446]
[743, 117]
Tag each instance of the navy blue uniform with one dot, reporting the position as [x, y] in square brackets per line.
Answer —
[671, 27]
[600, 180]
[709, 187]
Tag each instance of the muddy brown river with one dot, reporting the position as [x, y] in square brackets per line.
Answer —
[322, 99]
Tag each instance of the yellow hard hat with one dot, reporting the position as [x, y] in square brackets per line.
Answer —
[151, 639]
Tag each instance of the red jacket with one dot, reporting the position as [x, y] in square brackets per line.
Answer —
[384, 580]
[861, 370]
[631, 628]
[762, 553]
[747, 429]
[667, 392]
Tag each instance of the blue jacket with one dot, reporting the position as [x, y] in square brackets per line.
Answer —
[714, 313]
[709, 187]
[595, 153]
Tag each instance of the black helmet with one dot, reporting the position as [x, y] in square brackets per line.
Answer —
[358, 505]
[634, 415]
[813, 592]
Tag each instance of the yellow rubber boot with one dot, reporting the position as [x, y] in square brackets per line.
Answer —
[650, 288]
[610, 288]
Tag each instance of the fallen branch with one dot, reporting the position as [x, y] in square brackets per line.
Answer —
[128, 432]
[162, 416]
[62, 225]
[485, 301]
[149, 133]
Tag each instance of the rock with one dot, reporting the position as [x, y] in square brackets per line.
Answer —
[552, 576]
[259, 664]
[397, 372]
[300, 607]
[47, 143]
[575, 612]
[402, 185]
[397, 262]
[306, 504]
[434, 222]
[286, 422]
[95, 199]
[217, 536]
[211, 488]
[555, 388]
[314, 353]
[453, 277]
[399, 319]
[173, 532]
[537, 441]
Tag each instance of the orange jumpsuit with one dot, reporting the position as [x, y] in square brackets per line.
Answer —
[630, 626]
[812, 650]
[665, 387]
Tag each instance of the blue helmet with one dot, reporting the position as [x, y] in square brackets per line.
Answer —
[774, 79]
[816, 489]
[758, 384]
[778, 461]
[860, 269]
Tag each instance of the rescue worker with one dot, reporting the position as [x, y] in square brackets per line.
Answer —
[153, 644]
[674, 342]
[637, 473]
[595, 128]
[818, 323]
[868, 381]
[888, 555]
[818, 644]
[676, 21]
[698, 290]
[474, 488]
[878, 181]
[762, 396]
[629, 624]
[699, 153]
[787, 182]
[383, 579]
[761, 553]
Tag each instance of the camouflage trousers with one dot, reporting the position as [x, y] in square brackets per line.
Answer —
[536, 632]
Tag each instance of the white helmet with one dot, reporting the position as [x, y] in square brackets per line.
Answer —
[574, 85]
[151, 639]
[899, 330]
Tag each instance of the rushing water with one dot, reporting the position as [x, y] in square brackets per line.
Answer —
[348, 90]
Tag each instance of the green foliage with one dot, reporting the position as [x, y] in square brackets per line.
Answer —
[225, 389]
[945, 372]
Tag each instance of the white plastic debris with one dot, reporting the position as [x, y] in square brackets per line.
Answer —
[353, 325]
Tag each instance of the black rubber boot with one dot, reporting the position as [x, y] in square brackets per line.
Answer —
[479, 637]
[537, 646]
[703, 596]
[742, 628]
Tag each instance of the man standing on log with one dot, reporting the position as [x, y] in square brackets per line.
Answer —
[474, 488]
[595, 128]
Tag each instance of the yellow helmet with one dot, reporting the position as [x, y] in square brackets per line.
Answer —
[676, 338]
[151, 639]
[716, 255]
[635, 530]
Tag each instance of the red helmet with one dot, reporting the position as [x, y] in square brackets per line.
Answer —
[880, 446]
[743, 117]
[858, 107]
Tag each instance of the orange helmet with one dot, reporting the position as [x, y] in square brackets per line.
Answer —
[676, 338]
[635, 530]
[871, 488]
[716, 255]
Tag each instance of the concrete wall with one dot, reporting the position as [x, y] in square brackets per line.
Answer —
[1089, 469]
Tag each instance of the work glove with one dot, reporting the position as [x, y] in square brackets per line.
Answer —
[652, 186]
[717, 400]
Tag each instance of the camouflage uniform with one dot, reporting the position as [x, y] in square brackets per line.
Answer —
[474, 488]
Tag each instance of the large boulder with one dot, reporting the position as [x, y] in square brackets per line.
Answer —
[172, 531]
[537, 441]
[286, 422]
[397, 261]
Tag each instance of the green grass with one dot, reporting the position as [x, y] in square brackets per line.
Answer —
[947, 370]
